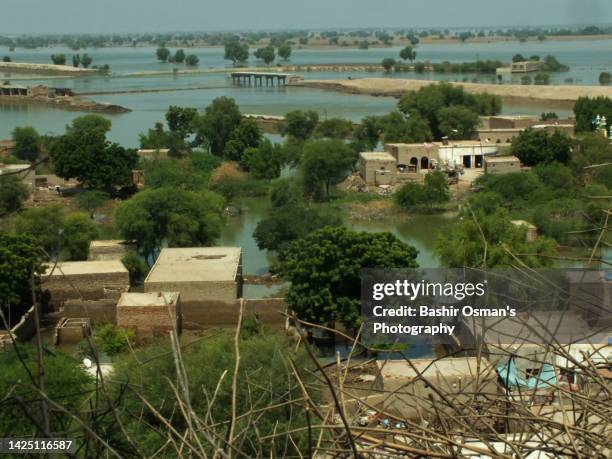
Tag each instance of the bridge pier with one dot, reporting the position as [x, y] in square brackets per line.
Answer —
[257, 78]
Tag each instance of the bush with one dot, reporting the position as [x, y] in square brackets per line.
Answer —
[113, 340]
[137, 267]
[605, 78]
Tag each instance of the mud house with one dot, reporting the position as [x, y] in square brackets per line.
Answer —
[525, 66]
[110, 249]
[149, 314]
[150, 154]
[85, 280]
[502, 165]
[377, 168]
[198, 273]
[405, 390]
[417, 157]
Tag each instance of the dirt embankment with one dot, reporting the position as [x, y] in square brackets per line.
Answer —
[46, 69]
[66, 103]
[556, 96]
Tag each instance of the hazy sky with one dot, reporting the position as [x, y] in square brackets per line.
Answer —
[101, 16]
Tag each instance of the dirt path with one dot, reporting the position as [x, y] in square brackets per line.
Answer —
[554, 95]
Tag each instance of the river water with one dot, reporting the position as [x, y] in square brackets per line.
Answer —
[585, 58]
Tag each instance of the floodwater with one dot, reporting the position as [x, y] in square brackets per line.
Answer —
[587, 59]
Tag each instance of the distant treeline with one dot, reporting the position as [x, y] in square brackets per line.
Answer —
[295, 37]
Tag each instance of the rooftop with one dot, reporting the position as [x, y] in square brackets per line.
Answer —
[448, 367]
[196, 264]
[148, 299]
[108, 243]
[14, 167]
[501, 159]
[85, 267]
[377, 156]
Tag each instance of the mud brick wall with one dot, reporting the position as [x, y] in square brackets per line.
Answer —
[99, 312]
[86, 286]
[150, 321]
[193, 291]
[209, 314]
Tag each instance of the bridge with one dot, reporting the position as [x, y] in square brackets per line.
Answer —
[257, 78]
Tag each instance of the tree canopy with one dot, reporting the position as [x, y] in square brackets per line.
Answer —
[435, 190]
[265, 161]
[27, 143]
[171, 217]
[324, 269]
[84, 153]
[325, 163]
[533, 147]
[218, 122]
[235, 51]
[266, 54]
[13, 192]
[300, 124]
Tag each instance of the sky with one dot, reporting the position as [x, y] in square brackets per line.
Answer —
[124, 16]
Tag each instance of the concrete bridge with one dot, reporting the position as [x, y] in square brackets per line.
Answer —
[257, 78]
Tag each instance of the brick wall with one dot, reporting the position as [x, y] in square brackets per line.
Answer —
[194, 291]
[86, 287]
[98, 311]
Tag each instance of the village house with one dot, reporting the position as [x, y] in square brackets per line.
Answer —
[198, 273]
[85, 280]
[110, 249]
[377, 168]
[502, 165]
[150, 314]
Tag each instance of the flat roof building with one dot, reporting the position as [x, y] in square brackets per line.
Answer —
[110, 249]
[149, 314]
[198, 273]
[87, 280]
[377, 168]
[502, 164]
[157, 153]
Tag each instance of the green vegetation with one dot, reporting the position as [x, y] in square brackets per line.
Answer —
[324, 270]
[192, 60]
[113, 340]
[236, 51]
[58, 59]
[20, 257]
[264, 381]
[432, 104]
[170, 217]
[266, 54]
[265, 161]
[388, 63]
[59, 232]
[533, 147]
[27, 143]
[586, 110]
[90, 201]
[85, 154]
[408, 54]
[284, 51]
[485, 67]
[434, 191]
[65, 383]
[163, 54]
[325, 163]
[605, 78]
[13, 192]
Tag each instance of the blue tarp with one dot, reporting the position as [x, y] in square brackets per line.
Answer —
[509, 374]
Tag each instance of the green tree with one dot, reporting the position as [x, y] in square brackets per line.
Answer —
[542, 79]
[464, 245]
[158, 138]
[284, 51]
[181, 119]
[458, 122]
[388, 63]
[325, 163]
[408, 54]
[605, 78]
[519, 58]
[324, 270]
[113, 340]
[218, 122]
[6, 59]
[265, 161]
[161, 217]
[587, 109]
[396, 127]
[236, 51]
[246, 135]
[533, 147]
[20, 257]
[266, 54]
[59, 233]
[13, 192]
[334, 128]
[86, 60]
[58, 59]
[291, 222]
[364, 44]
[163, 54]
[368, 132]
[192, 60]
[27, 143]
[300, 124]
[76, 60]
[435, 190]
[179, 56]
[85, 154]
[90, 201]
